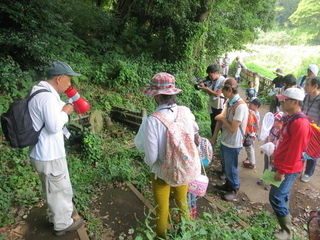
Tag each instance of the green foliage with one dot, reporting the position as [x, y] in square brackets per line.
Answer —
[284, 10]
[300, 19]
[213, 226]
[271, 58]
[307, 13]
[20, 186]
[278, 38]
[261, 70]
[92, 148]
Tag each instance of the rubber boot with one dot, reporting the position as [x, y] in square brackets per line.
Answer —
[285, 231]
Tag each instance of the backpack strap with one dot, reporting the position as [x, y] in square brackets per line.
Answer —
[303, 79]
[162, 118]
[29, 97]
[236, 104]
[294, 117]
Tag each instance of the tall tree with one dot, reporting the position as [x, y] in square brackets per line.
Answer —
[176, 30]
[307, 15]
[284, 10]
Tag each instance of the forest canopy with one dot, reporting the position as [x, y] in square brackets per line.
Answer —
[35, 32]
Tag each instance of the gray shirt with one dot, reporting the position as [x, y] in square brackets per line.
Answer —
[234, 140]
[311, 107]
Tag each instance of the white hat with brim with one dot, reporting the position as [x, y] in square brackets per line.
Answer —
[292, 93]
[162, 83]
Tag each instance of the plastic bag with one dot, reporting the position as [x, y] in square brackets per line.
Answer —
[139, 138]
[268, 148]
[248, 141]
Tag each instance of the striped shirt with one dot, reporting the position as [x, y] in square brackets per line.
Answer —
[311, 107]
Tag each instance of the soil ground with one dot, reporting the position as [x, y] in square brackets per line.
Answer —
[121, 209]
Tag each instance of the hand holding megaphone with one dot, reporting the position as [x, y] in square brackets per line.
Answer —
[80, 105]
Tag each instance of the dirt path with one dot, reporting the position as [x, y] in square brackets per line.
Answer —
[249, 177]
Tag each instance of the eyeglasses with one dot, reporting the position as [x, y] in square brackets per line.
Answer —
[284, 100]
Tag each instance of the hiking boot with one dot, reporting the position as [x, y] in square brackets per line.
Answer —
[231, 195]
[77, 223]
[223, 187]
[305, 178]
[73, 214]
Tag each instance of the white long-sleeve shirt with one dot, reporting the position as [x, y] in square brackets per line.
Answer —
[46, 108]
[156, 136]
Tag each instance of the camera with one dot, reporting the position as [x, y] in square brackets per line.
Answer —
[200, 80]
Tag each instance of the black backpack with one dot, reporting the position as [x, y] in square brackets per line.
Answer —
[17, 125]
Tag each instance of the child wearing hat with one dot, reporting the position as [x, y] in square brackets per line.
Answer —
[250, 161]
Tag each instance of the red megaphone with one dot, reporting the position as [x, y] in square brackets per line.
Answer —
[80, 105]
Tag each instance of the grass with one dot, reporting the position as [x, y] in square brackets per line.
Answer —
[293, 59]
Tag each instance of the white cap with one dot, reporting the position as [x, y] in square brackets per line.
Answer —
[292, 93]
[314, 68]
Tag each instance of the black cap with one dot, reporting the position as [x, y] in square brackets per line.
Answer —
[256, 101]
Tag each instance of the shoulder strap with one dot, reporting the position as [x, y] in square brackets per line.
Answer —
[180, 113]
[294, 117]
[36, 92]
[162, 118]
[236, 104]
[303, 79]
[306, 98]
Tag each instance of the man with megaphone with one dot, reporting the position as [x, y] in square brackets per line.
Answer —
[49, 115]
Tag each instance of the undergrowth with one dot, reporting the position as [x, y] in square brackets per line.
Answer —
[214, 225]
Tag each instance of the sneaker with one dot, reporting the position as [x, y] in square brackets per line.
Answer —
[246, 161]
[260, 182]
[305, 178]
[77, 223]
[231, 195]
[249, 165]
[267, 188]
[223, 187]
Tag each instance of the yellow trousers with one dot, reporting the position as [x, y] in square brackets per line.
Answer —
[161, 194]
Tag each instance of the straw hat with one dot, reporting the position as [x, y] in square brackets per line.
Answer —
[162, 83]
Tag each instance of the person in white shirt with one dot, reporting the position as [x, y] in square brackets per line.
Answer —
[214, 81]
[162, 89]
[239, 67]
[49, 114]
[232, 119]
[225, 65]
[312, 71]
